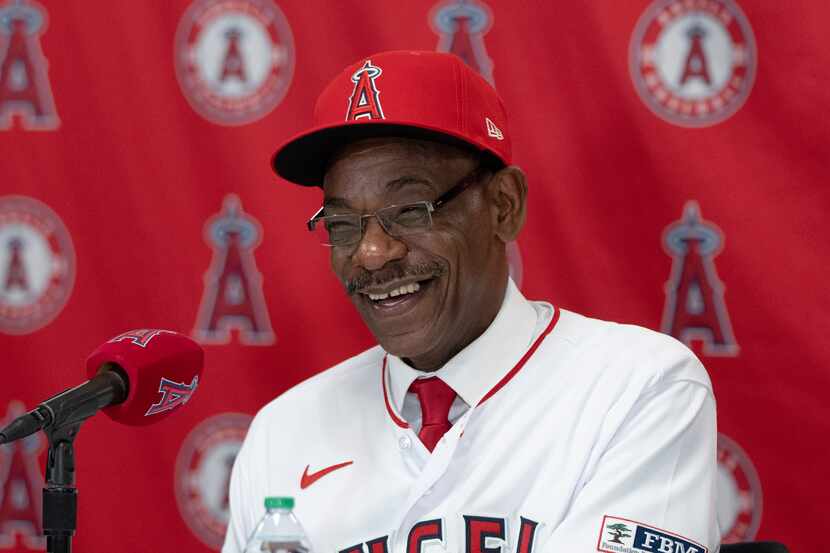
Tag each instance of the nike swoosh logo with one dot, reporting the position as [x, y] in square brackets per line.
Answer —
[309, 479]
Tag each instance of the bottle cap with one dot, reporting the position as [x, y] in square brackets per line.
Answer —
[279, 503]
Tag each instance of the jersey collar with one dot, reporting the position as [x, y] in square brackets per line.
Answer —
[476, 369]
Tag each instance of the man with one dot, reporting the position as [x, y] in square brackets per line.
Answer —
[482, 422]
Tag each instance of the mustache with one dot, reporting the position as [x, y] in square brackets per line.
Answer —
[392, 272]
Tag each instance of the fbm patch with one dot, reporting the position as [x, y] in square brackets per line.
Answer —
[621, 535]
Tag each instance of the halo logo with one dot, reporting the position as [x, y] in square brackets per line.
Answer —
[37, 265]
[364, 103]
[234, 59]
[695, 309]
[173, 394]
[203, 474]
[233, 297]
[461, 26]
[24, 81]
[740, 498]
[693, 61]
[21, 486]
[140, 337]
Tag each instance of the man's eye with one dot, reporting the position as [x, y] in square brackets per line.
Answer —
[411, 215]
[341, 226]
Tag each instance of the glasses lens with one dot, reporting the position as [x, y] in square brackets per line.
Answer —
[405, 219]
[337, 230]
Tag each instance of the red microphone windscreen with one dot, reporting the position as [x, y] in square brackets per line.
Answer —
[163, 368]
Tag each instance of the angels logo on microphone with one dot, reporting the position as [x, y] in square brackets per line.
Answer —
[25, 91]
[740, 499]
[20, 488]
[140, 337]
[173, 394]
[234, 59]
[695, 309]
[693, 62]
[203, 473]
[233, 297]
[37, 265]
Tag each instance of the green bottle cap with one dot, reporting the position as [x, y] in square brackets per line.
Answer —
[279, 503]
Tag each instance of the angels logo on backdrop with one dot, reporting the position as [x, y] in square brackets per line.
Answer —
[233, 297]
[695, 309]
[203, 473]
[234, 59]
[21, 486]
[37, 265]
[24, 81]
[461, 26]
[739, 493]
[693, 61]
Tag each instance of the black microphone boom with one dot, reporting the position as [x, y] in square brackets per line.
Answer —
[73, 406]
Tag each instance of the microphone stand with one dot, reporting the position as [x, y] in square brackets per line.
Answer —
[66, 411]
[60, 496]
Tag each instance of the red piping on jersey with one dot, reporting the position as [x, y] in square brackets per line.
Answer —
[523, 360]
[499, 385]
[400, 422]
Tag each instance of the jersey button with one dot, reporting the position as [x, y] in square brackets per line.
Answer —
[404, 442]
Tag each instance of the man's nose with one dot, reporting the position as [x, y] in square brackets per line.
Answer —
[376, 248]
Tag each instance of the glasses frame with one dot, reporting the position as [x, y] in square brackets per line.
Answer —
[432, 206]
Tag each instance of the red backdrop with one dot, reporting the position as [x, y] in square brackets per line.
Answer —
[677, 154]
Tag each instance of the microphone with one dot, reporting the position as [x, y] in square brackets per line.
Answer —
[137, 378]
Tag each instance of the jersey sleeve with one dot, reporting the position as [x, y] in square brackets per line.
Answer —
[654, 485]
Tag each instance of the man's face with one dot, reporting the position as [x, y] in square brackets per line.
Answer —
[448, 280]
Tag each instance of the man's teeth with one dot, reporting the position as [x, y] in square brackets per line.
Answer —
[405, 289]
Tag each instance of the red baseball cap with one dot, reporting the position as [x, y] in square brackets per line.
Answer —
[427, 95]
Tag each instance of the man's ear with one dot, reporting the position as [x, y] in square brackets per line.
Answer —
[508, 195]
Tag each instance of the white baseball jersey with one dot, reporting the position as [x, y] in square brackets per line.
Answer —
[569, 435]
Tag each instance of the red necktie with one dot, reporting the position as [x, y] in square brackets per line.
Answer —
[436, 398]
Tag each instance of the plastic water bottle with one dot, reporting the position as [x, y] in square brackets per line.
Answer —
[279, 531]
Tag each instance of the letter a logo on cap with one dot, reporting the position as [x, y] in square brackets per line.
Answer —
[365, 101]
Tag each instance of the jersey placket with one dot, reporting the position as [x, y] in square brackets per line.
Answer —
[426, 469]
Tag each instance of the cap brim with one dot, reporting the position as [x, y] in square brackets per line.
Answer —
[304, 158]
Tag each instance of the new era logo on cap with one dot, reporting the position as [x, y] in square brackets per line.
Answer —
[493, 130]
[425, 95]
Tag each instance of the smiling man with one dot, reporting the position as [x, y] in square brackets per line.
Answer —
[482, 422]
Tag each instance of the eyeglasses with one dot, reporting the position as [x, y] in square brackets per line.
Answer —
[396, 220]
